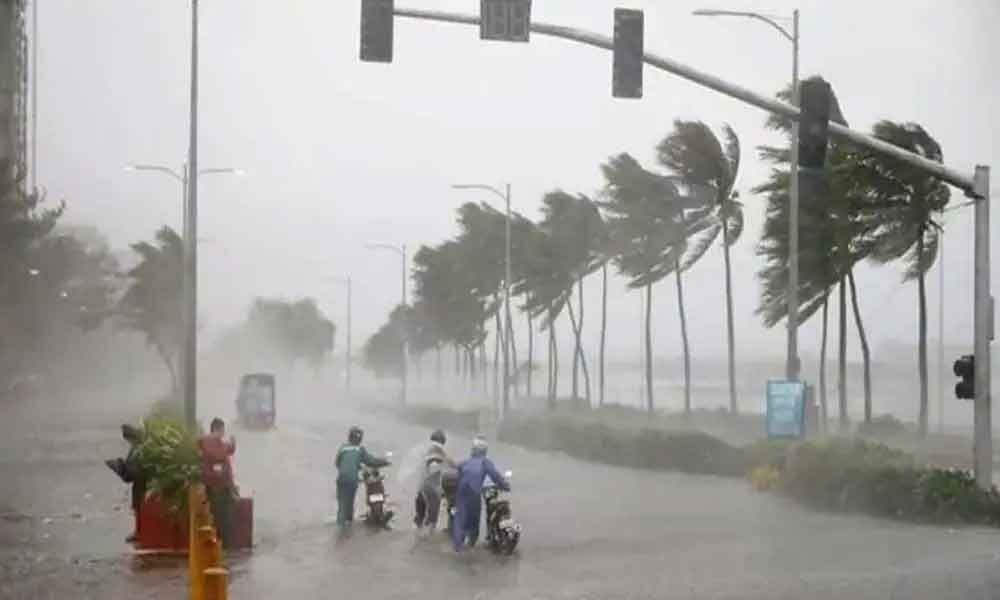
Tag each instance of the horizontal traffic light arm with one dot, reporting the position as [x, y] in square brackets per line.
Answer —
[961, 180]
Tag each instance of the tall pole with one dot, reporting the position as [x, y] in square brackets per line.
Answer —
[402, 255]
[792, 364]
[191, 266]
[348, 375]
[506, 292]
[983, 331]
[941, 371]
[34, 95]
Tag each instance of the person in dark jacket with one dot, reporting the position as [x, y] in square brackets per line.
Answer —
[471, 475]
[130, 471]
[350, 457]
[217, 475]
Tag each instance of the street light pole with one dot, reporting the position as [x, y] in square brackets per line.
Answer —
[792, 364]
[401, 251]
[190, 283]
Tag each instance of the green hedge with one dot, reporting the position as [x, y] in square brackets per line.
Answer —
[647, 448]
[840, 474]
[857, 475]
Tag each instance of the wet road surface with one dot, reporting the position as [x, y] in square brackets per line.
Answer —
[590, 531]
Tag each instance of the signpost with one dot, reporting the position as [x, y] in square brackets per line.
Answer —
[786, 409]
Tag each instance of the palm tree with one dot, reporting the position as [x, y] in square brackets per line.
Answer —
[151, 305]
[904, 202]
[649, 230]
[832, 219]
[693, 152]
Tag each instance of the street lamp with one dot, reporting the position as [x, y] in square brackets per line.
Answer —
[347, 282]
[401, 251]
[189, 181]
[505, 196]
[792, 366]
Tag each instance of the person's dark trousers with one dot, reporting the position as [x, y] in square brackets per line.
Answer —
[420, 510]
[346, 490]
[220, 500]
[428, 506]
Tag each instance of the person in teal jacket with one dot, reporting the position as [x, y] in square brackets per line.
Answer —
[350, 457]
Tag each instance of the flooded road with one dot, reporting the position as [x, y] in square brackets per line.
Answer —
[590, 531]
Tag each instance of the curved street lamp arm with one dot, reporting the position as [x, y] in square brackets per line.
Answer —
[749, 15]
[479, 186]
[157, 168]
[395, 249]
[229, 171]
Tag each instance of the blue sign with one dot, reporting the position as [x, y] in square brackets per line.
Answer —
[786, 409]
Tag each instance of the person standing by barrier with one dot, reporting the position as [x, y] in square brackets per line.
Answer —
[217, 475]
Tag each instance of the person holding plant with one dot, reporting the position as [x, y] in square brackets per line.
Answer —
[217, 475]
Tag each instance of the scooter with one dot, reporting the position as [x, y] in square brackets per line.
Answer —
[449, 488]
[379, 513]
[502, 531]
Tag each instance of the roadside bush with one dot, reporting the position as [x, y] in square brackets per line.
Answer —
[858, 475]
[881, 427]
[168, 455]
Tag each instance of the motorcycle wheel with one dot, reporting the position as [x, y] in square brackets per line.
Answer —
[507, 542]
[375, 512]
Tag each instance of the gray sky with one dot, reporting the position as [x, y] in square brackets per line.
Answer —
[340, 153]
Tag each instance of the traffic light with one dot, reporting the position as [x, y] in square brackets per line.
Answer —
[505, 20]
[376, 30]
[965, 367]
[627, 67]
[814, 121]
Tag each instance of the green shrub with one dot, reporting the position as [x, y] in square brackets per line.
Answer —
[168, 455]
[882, 426]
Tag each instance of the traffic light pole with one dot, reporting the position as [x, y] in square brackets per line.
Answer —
[983, 330]
[975, 186]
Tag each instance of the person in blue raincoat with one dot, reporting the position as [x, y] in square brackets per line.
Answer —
[468, 499]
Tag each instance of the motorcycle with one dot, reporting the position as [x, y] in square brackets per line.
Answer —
[449, 487]
[502, 531]
[379, 512]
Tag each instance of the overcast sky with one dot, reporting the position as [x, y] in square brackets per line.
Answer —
[340, 153]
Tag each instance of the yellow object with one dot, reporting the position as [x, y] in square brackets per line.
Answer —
[216, 584]
[204, 550]
[764, 478]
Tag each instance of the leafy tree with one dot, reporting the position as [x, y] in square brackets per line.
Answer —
[298, 329]
[694, 153]
[383, 352]
[650, 222]
[832, 233]
[152, 303]
[903, 203]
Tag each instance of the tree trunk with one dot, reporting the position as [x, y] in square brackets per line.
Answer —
[548, 362]
[842, 360]
[579, 345]
[865, 350]
[578, 357]
[553, 363]
[172, 370]
[438, 373]
[823, 407]
[576, 348]
[649, 348]
[684, 338]
[604, 329]
[730, 335]
[531, 356]
[922, 358]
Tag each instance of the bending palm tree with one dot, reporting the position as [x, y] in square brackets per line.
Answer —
[905, 202]
[693, 152]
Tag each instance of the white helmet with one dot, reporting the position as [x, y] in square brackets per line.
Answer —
[479, 446]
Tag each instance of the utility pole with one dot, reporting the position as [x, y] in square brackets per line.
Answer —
[191, 245]
[348, 374]
[34, 95]
[983, 330]
[508, 341]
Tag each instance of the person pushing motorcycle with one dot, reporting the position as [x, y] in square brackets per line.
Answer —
[350, 457]
[428, 502]
[472, 472]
